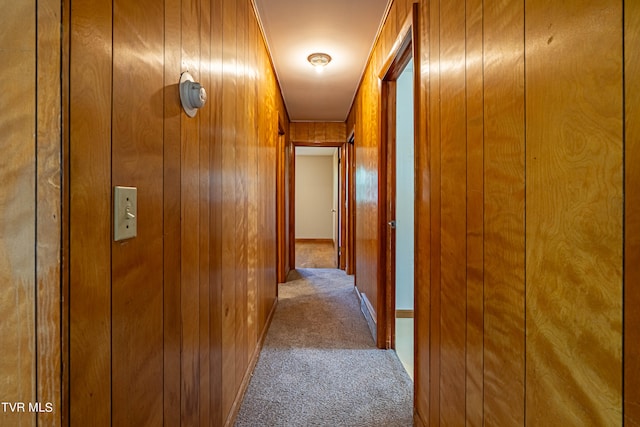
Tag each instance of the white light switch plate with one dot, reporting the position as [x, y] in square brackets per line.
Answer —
[125, 213]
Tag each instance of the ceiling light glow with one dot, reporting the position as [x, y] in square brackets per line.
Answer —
[319, 60]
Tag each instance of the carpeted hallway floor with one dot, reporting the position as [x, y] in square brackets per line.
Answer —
[319, 365]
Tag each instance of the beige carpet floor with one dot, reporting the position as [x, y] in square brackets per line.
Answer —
[319, 365]
[315, 255]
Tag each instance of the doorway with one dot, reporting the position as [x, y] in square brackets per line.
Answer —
[404, 218]
[397, 195]
[283, 202]
[317, 201]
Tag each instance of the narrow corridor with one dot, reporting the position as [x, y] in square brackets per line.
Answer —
[319, 365]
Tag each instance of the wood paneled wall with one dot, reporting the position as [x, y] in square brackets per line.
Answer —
[574, 216]
[524, 133]
[30, 212]
[632, 214]
[18, 210]
[165, 327]
[318, 132]
[519, 202]
[364, 118]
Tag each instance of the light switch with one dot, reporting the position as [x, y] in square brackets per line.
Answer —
[125, 212]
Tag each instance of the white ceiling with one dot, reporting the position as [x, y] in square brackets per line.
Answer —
[345, 29]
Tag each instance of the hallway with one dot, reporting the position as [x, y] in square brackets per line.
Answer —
[142, 241]
[319, 365]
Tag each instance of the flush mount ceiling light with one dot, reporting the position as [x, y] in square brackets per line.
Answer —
[319, 60]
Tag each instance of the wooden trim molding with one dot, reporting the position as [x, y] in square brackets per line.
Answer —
[315, 241]
[351, 211]
[417, 419]
[330, 144]
[401, 51]
[404, 313]
[281, 202]
[292, 207]
[341, 244]
[347, 211]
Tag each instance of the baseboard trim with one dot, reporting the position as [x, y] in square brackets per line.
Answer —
[404, 314]
[314, 241]
[368, 312]
[237, 402]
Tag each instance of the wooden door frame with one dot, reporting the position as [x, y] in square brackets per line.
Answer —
[342, 171]
[282, 269]
[349, 211]
[403, 49]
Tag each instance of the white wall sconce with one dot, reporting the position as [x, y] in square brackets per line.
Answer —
[192, 94]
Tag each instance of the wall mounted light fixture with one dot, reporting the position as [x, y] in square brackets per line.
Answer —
[192, 94]
[319, 60]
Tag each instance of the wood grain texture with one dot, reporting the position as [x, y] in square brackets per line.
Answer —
[473, 292]
[453, 157]
[48, 232]
[289, 208]
[30, 242]
[422, 251]
[190, 224]
[281, 194]
[204, 147]
[216, 231]
[350, 209]
[136, 265]
[240, 225]
[65, 202]
[316, 132]
[342, 244]
[253, 233]
[290, 223]
[386, 202]
[335, 132]
[435, 201]
[574, 212]
[285, 210]
[206, 273]
[18, 364]
[171, 213]
[90, 241]
[475, 216]
[367, 197]
[262, 171]
[632, 214]
[228, 220]
[386, 38]
[504, 281]
[364, 118]
[90, 142]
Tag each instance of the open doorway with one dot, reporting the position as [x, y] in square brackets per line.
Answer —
[283, 202]
[397, 195]
[404, 218]
[317, 201]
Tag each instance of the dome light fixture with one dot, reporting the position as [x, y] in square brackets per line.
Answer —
[192, 94]
[319, 60]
